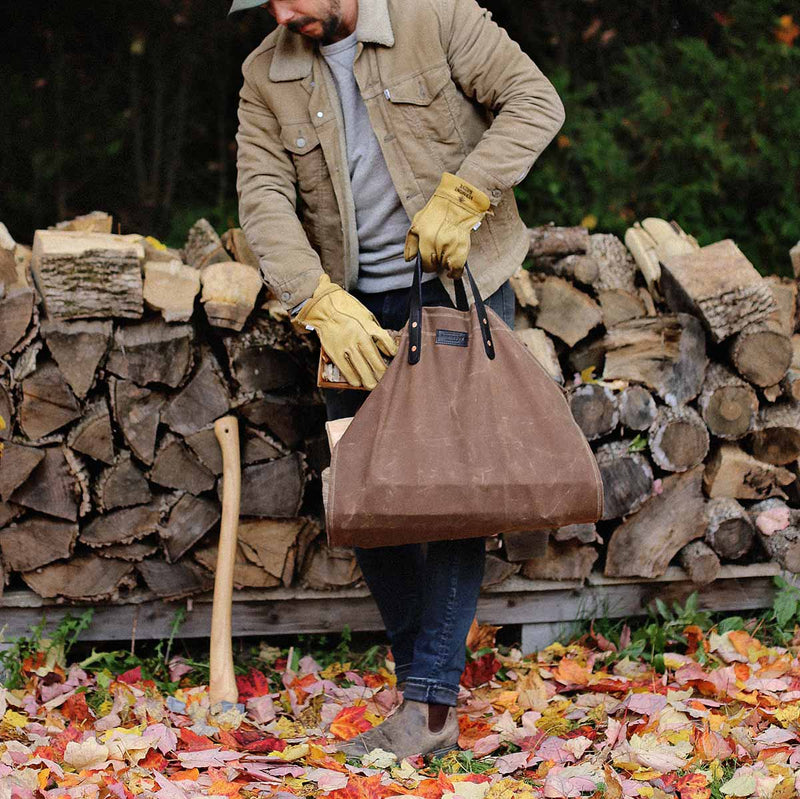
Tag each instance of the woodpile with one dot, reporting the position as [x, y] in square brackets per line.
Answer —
[680, 363]
[117, 355]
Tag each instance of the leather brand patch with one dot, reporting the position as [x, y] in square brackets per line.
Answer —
[453, 338]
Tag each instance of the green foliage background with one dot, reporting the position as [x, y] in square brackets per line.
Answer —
[685, 109]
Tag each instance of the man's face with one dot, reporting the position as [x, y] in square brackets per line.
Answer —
[317, 19]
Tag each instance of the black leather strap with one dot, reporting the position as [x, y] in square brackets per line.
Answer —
[415, 313]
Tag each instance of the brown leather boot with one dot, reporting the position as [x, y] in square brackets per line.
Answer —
[407, 733]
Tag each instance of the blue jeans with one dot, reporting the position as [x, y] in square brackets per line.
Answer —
[427, 594]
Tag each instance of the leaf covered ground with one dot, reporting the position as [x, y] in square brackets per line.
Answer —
[718, 715]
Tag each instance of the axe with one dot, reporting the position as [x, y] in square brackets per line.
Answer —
[222, 681]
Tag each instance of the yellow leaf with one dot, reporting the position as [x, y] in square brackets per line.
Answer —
[589, 222]
[787, 714]
[294, 752]
[154, 242]
[14, 719]
[587, 375]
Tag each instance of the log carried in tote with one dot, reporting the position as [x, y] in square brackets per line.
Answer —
[203, 246]
[88, 275]
[189, 520]
[678, 439]
[47, 402]
[16, 312]
[137, 411]
[171, 287]
[594, 408]
[637, 408]
[731, 472]
[561, 560]
[564, 311]
[88, 577]
[627, 479]
[273, 489]
[121, 485]
[645, 543]
[175, 466]
[730, 532]
[543, 349]
[619, 305]
[761, 353]
[78, 348]
[51, 488]
[92, 435]
[152, 352]
[727, 403]
[550, 240]
[700, 562]
[776, 438]
[718, 284]
[230, 291]
[202, 400]
[778, 528]
[35, 542]
[665, 353]
[17, 463]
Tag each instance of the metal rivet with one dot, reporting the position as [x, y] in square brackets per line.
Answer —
[413, 324]
[414, 348]
[488, 343]
[486, 321]
[320, 114]
[301, 142]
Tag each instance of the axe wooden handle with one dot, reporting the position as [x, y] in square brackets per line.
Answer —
[222, 681]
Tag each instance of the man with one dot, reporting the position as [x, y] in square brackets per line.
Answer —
[401, 127]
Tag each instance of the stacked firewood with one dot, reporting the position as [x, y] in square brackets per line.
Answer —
[117, 356]
[681, 366]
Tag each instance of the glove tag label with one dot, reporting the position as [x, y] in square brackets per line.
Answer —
[452, 338]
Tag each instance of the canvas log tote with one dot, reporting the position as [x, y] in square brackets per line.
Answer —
[466, 435]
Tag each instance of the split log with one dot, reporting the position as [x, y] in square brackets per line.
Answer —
[121, 485]
[582, 269]
[524, 288]
[152, 352]
[47, 402]
[790, 384]
[678, 439]
[257, 447]
[6, 412]
[272, 489]
[26, 362]
[772, 393]
[16, 313]
[582, 533]
[16, 464]
[204, 399]
[51, 487]
[645, 543]
[174, 580]
[794, 256]
[81, 486]
[123, 526]
[8, 512]
[594, 408]
[784, 292]
[154, 250]
[133, 553]
[522, 546]
[543, 349]
[627, 479]
[566, 560]
[496, 571]
[776, 438]
[727, 403]
[290, 420]
[761, 353]
[618, 305]
[256, 363]
[564, 311]
[552, 240]
[643, 249]
[230, 291]
[718, 284]
[36, 542]
[92, 435]
[778, 528]
[730, 532]
[329, 567]
[175, 466]
[203, 246]
[87, 577]
[245, 573]
[171, 287]
[235, 242]
[94, 222]
[78, 348]
[85, 275]
[637, 408]
[616, 268]
[189, 520]
[272, 545]
[700, 562]
[666, 353]
[733, 473]
[137, 412]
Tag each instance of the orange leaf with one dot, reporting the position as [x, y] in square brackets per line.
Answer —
[693, 786]
[570, 672]
[75, 709]
[192, 774]
[787, 30]
[349, 722]
[480, 636]
[694, 636]
[224, 788]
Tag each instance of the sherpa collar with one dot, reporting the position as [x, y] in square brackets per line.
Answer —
[294, 53]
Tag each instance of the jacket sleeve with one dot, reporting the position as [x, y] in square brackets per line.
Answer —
[491, 68]
[267, 202]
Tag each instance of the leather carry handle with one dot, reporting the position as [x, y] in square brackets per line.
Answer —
[415, 313]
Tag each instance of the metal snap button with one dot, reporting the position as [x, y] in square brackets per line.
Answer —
[320, 114]
[285, 295]
[301, 142]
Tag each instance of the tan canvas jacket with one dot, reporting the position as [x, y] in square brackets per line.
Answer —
[446, 90]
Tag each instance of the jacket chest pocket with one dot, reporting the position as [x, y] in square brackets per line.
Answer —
[302, 143]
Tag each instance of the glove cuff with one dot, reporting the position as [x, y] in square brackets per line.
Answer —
[457, 190]
[324, 288]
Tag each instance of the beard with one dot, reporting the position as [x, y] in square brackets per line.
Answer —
[331, 24]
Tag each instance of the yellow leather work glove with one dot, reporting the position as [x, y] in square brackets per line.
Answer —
[348, 332]
[440, 232]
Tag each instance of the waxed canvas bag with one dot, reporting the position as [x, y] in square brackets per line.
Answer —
[466, 435]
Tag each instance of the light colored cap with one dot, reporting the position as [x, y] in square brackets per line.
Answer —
[243, 5]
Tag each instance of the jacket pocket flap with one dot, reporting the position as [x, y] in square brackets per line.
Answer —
[420, 89]
[299, 139]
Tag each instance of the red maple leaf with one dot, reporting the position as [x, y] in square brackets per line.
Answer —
[252, 684]
[480, 671]
[75, 709]
[349, 722]
[131, 676]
